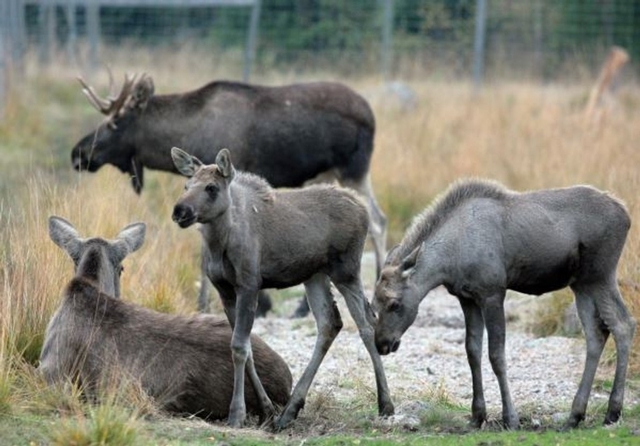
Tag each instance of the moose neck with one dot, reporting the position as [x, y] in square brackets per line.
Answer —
[216, 232]
[431, 268]
[94, 266]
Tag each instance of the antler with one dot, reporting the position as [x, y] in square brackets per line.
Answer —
[112, 105]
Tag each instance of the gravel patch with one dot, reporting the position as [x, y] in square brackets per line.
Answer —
[543, 372]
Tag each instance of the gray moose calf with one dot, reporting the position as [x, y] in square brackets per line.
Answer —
[480, 239]
[259, 237]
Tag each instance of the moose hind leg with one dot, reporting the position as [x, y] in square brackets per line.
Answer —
[267, 410]
[622, 326]
[596, 335]
[474, 325]
[329, 324]
[364, 318]
[494, 320]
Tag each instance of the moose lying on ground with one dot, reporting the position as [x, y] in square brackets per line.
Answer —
[259, 237]
[183, 362]
[480, 239]
[288, 135]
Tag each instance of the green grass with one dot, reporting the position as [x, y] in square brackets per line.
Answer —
[115, 430]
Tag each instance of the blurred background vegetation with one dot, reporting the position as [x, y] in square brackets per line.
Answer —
[535, 38]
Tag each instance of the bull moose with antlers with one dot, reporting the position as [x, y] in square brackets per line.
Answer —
[288, 135]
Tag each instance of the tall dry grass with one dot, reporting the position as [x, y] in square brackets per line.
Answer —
[526, 135]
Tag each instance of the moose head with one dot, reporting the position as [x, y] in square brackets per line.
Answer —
[113, 141]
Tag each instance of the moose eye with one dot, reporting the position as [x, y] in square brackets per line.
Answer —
[212, 190]
[394, 306]
[120, 270]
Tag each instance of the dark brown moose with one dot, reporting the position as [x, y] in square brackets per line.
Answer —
[288, 135]
[183, 362]
[259, 237]
[480, 239]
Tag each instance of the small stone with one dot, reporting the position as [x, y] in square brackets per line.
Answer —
[409, 422]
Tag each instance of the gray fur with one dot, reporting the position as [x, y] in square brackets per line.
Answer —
[183, 362]
[258, 237]
[480, 239]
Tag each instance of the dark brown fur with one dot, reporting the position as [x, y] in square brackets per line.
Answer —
[183, 362]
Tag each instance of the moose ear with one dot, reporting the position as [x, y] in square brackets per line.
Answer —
[185, 163]
[409, 262]
[223, 161]
[65, 235]
[392, 254]
[142, 92]
[131, 238]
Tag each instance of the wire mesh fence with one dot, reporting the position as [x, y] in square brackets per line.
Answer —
[393, 38]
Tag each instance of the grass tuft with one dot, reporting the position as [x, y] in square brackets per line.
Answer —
[102, 425]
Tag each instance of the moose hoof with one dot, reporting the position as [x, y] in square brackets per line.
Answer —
[612, 417]
[387, 410]
[281, 422]
[236, 421]
[289, 414]
[268, 415]
[278, 425]
[477, 422]
[573, 421]
[512, 422]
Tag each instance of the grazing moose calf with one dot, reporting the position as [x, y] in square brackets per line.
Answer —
[288, 135]
[259, 237]
[480, 239]
[184, 363]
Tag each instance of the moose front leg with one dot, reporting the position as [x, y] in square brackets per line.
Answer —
[363, 316]
[329, 324]
[243, 360]
[474, 328]
[493, 313]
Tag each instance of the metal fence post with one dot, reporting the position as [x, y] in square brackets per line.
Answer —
[17, 34]
[73, 34]
[478, 46]
[252, 38]
[93, 34]
[387, 37]
[4, 54]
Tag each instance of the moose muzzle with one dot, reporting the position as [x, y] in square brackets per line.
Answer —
[184, 215]
[385, 347]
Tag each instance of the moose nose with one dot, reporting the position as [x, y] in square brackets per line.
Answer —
[76, 161]
[183, 215]
[386, 347]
